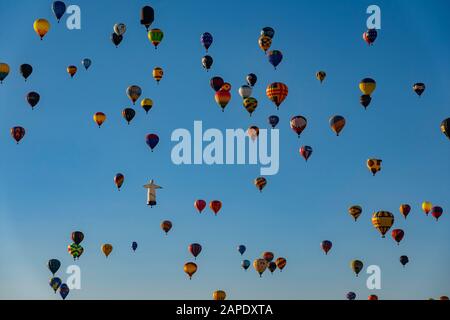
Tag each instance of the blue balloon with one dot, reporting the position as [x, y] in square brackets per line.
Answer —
[275, 57]
[245, 264]
[152, 140]
[351, 295]
[55, 283]
[86, 63]
[59, 8]
[134, 245]
[273, 121]
[206, 39]
[64, 291]
[241, 249]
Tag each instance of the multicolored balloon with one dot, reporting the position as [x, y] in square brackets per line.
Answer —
[64, 291]
[251, 79]
[397, 235]
[426, 207]
[305, 152]
[382, 221]
[147, 104]
[260, 265]
[326, 246]
[367, 86]
[151, 140]
[277, 92]
[55, 283]
[369, 36]
[337, 123]
[155, 36]
[321, 75]
[405, 209]
[298, 124]
[436, 212]
[222, 98]
[4, 71]
[195, 249]
[374, 165]
[207, 62]
[216, 83]
[445, 127]
[99, 118]
[356, 266]
[133, 93]
[157, 74]
[219, 295]
[250, 104]
[281, 263]
[118, 180]
[419, 88]
[355, 212]
[17, 133]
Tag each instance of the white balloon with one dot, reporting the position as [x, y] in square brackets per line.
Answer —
[245, 91]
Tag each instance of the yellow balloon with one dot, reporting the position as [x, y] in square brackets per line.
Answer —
[190, 268]
[367, 86]
[41, 27]
[374, 165]
[426, 207]
[107, 249]
[146, 104]
[219, 295]
[260, 265]
[158, 74]
[4, 71]
[99, 118]
[383, 221]
[355, 211]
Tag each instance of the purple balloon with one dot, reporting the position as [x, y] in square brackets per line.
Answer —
[206, 39]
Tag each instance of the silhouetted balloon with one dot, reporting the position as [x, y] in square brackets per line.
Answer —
[195, 249]
[397, 235]
[134, 245]
[206, 39]
[351, 295]
[273, 120]
[365, 100]
[268, 32]
[369, 36]
[152, 140]
[405, 209]
[436, 212]
[116, 39]
[404, 260]
[147, 16]
[17, 133]
[241, 249]
[59, 8]
[86, 63]
[445, 127]
[77, 237]
[64, 291]
[251, 79]
[216, 83]
[33, 99]
[166, 226]
[207, 62]
[55, 283]
[356, 266]
[128, 114]
[245, 264]
[275, 57]
[419, 88]
[53, 265]
[326, 246]
[26, 70]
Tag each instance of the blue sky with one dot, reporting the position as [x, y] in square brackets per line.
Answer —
[60, 178]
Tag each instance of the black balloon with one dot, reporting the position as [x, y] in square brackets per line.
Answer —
[26, 70]
[116, 39]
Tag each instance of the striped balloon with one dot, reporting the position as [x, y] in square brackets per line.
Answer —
[383, 221]
[277, 92]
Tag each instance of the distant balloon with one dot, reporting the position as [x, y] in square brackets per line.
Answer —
[166, 226]
[326, 246]
[264, 43]
[118, 180]
[59, 8]
[404, 260]
[445, 127]
[152, 140]
[337, 123]
[71, 70]
[273, 121]
[4, 71]
[77, 237]
[222, 98]
[155, 36]
[298, 124]
[426, 207]
[241, 249]
[355, 212]
[86, 62]
[321, 75]
[190, 268]
[268, 32]
[55, 283]
[369, 36]
[372, 297]
[367, 86]
[356, 266]
[26, 70]
[260, 183]
[275, 57]
[107, 249]
[200, 205]
[260, 266]
[147, 104]
[215, 206]
[133, 93]
[365, 100]
[219, 295]
[41, 27]
[245, 264]
[397, 235]
[128, 114]
[245, 91]
[195, 249]
[436, 212]
[99, 118]
[17, 133]
[33, 99]
[157, 74]
[382, 221]
[268, 256]
[53, 265]
[405, 209]
[225, 87]
[374, 165]
[147, 16]
[305, 152]
[272, 267]
[64, 291]
[216, 83]
[277, 92]
[134, 245]
[281, 263]
[250, 104]
[253, 132]
[351, 296]
[251, 79]
[75, 250]
[207, 62]
[116, 39]
[419, 88]
[206, 39]
[120, 29]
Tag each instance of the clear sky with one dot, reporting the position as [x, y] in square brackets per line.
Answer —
[60, 177]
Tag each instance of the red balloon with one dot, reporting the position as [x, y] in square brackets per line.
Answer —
[200, 205]
[326, 246]
[215, 206]
[436, 212]
[405, 209]
[398, 235]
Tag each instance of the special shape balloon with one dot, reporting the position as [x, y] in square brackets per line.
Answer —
[382, 221]
[277, 92]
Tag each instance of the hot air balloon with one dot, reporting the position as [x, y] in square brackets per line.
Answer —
[99, 118]
[404, 260]
[443, 298]
[17, 133]
[195, 249]
[260, 183]
[215, 206]
[365, 100]
[53, 265]
[64, 291]
[273, 121]
[298, 124]
[134, 246]
[251, 79]
[321, 75]
[272, 267]
[59, 8]
[75, 250]
[41, 27]
[277, 92]
[152, 140]
[216, 83]
[222, 98]
[219, 295]
[275, 57]
[445, 127]
[77, 237]
[250, 104]
[155, 36]
[264, 43]
[326, 246]
[190, 268]
[166, 225]
[128, 114]
[4, 71]
[253, 132]
[397, 235]
[351, 296]
[382, 221]
[245, 91]
[206, 39]
[245, 264]
[281, 263]
[200, 205]
[426, 207]
[26, 70]
[260, 266]
[118, 180]
[369, 36]
[305, 152]
[405, 209]
[116, 39]
[419, 88]
[436, 212]
[147, 104]
[374, 165]
[157, 74]
[356, 266]
[133, 93]
[337, 123]
[147, 16]
[55, 283]
[207, 62]
[71, 70]
[86, 62]
[33, 99]
[120, 29]
[241, 249]
[355, 212]
[268, 256]
[107, 249]
[268, 32]
[367, 86]
[372, 297]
